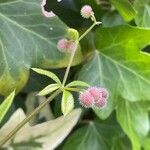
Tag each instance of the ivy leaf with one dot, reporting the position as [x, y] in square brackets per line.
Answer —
[112, 19]
[125, 8]
[134, 120]
[146, 143]
[5, 105]
[93, 136]
[119, 65]
[119, 144]
[28, 39]
[67, 103]
[143, 15]
[50, 133]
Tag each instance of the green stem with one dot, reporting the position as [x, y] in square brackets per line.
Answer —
[87, 31]
[27, 119]
[68, 68]
[73, 53]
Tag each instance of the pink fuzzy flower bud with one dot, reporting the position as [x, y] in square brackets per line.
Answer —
[100, 96]
[86, 99]
[62, 45]
[86, 11]
[101, 103]
[66, 46]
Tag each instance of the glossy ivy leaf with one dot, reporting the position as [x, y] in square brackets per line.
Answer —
[48, 74]
[134, 120]
[122, 53]
[143, 13]
[50, 133]
[47, 90]
[28, 39]
[86, 139]
[6, 105]
[94, 136]
[125, 8]
[67, 103]
[77, 83]
[119, 65]
[112, 19]
[120, 144]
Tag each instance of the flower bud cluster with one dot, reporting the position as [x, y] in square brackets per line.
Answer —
[94, 96]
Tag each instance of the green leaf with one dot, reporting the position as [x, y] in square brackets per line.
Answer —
[119, 65]
[50, 133]
[146, 144]
[28, 39]
[94, 136]
[142, 18]
[134, 120]
[48, 74]
[47, 90]
[77, 83]
[6, 105]
[112, 19]
[120, 144]
[86, 138]
[67, 103]
[125, 8]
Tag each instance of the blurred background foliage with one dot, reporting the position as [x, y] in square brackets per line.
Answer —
[115, 56]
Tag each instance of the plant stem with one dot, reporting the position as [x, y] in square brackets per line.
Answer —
[87, 31]
[68, 67]
[73, 53]
[27, 119]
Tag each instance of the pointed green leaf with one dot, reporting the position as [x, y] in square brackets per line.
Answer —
[28, 39]
[112, 19]
[120, 144]
[119, 65]
[77, 83]
[67, 103]
[125, 8]
[47, 90]
[134, 120]
[93, 136]
[142, 19]
[48, 74]
[6, 105]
